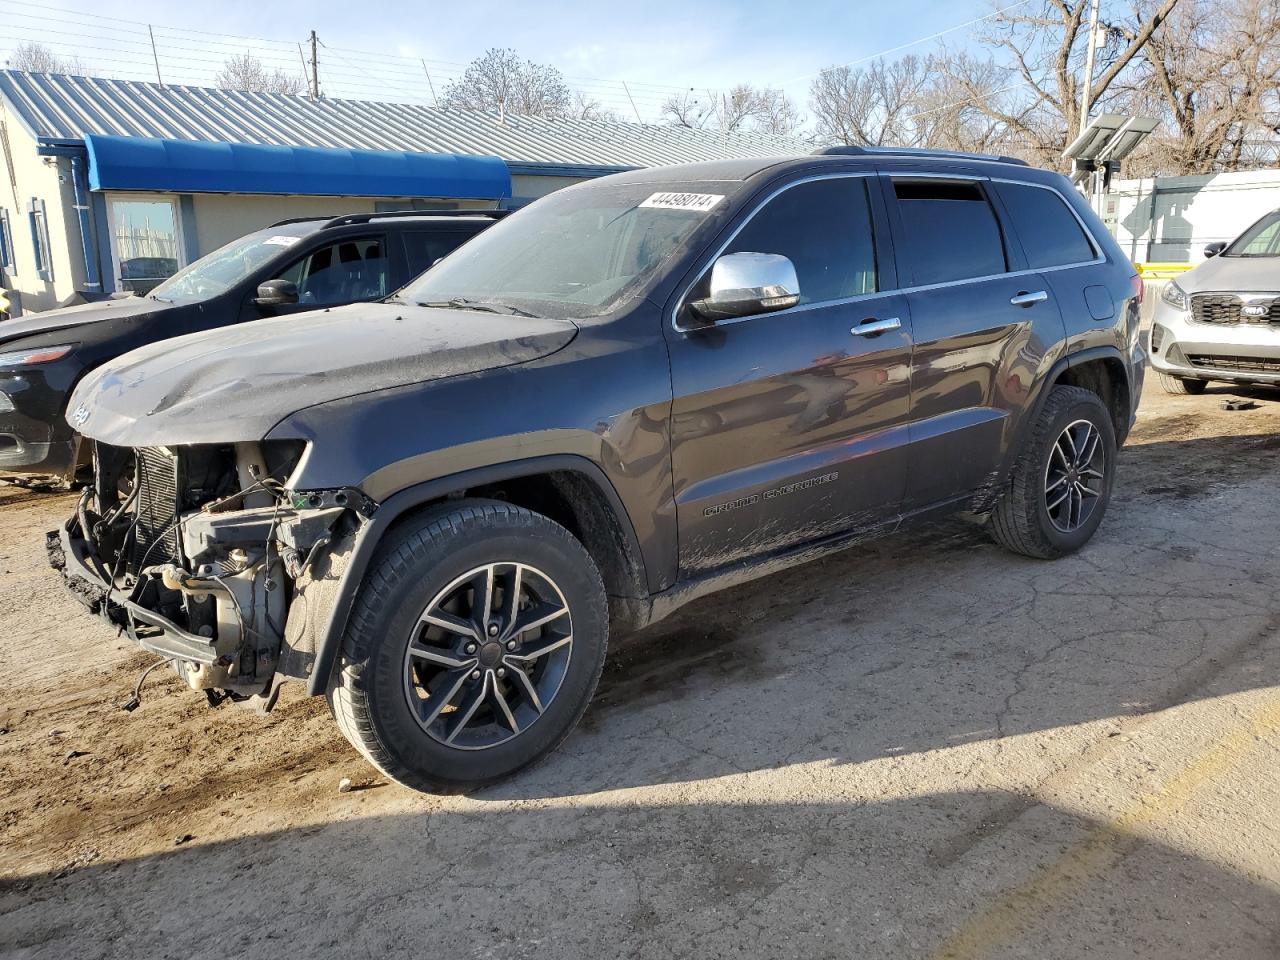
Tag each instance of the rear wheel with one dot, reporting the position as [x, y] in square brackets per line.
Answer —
[473, 649]
[1060, 485]
[1182, 386]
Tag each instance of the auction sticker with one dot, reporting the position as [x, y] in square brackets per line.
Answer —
[281, 241]
[701, 202]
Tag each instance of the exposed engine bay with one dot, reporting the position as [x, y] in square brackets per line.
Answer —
[196, 552]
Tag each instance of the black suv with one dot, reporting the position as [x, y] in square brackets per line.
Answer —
[289, 267]
[436, 509]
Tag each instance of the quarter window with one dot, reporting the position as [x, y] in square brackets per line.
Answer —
[1050, 233]
[824, 228]
[951, 231]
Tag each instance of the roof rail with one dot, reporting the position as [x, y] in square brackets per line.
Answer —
[348, 218]
[399, 214]
[914, 152]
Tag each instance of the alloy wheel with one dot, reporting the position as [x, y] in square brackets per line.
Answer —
[1075, 476]
[488, 655]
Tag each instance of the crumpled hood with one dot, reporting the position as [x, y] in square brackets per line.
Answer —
[1233, 274]
[236, 383]
[68, 318]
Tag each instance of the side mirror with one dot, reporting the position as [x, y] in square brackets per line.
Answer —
[744, 284]
[1213, 249]
[276, 293]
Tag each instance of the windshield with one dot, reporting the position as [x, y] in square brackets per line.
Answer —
[579, 252]
[225, 267]
[1260, 240]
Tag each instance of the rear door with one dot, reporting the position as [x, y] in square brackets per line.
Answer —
[982, 323]
[790, 426]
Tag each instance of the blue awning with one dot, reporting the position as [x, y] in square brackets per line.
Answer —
[185, 166]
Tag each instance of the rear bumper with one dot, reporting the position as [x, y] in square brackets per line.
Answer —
[73, 557]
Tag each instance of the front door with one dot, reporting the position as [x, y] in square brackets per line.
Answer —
[788, 427]
[146, 241]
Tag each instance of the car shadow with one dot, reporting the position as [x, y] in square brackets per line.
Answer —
[684, 877]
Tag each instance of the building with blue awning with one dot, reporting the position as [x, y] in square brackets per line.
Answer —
[112, 184]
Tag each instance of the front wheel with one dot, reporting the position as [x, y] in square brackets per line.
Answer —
[1182, 386]
[473, 649]
[1060, 485]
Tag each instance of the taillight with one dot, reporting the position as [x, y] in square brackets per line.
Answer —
[1138, 288]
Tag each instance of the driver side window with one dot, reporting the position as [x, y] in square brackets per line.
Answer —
[342, 272]
[824, 228]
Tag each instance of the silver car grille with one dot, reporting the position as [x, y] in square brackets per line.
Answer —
[1236, 364]
[1227, 307]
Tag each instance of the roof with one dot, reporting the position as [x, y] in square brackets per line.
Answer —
[60, 109]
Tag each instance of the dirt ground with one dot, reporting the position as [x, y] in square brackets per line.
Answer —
[922, 748]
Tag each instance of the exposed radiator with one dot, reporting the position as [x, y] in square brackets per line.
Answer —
[156, 535]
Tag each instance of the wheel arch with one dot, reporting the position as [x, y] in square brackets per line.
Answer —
[569, 489]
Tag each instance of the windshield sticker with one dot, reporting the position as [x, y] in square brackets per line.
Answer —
[701, 202]
[281, 241]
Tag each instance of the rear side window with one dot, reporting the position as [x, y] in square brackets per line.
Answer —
[824, 228]
[1050, 233]
[951, 231]
[422, 248]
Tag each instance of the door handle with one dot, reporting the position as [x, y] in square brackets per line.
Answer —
[870, 327]
[1024, 299]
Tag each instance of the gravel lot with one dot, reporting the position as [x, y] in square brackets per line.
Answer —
[922, 748]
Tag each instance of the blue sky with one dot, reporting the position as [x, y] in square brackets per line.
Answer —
[655, 45]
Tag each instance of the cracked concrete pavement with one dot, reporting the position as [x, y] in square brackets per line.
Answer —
[925, 747]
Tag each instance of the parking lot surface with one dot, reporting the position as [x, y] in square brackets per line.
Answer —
[925, 747]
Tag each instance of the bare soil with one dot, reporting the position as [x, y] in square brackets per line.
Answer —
[927, 698]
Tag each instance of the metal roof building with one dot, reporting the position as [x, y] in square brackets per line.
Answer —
[109, 173]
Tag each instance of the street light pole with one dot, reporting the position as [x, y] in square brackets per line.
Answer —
[1086, 87]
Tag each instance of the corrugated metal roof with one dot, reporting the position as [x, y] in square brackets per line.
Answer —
[61, 108]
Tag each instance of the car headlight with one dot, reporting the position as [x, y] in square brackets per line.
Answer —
[34, 355]
[1174, 295]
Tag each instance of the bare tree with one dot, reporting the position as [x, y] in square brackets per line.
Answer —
[1213, 75]
[687, 109]
[248, 73]
[37, 58]
[501, 81]
[585, 107]
[1040, 50]
[870, 105]
[742, 109]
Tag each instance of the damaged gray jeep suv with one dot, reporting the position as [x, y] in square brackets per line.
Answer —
[435, 510]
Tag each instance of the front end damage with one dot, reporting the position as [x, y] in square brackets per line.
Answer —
[205, 557]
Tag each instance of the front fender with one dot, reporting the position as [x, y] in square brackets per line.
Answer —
[316, 625]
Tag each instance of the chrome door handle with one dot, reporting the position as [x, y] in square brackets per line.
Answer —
[1025, 299]
[871, 327]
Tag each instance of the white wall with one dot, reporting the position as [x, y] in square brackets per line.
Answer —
[526, 186]
[47, 179]
[1172, 218]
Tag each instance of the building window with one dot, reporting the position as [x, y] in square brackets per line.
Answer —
[40, 239]
[6, 241]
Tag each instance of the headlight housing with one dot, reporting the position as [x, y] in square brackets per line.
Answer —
[34, 355]
[1174, 295]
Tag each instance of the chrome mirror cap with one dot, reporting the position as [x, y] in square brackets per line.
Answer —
[743, 284]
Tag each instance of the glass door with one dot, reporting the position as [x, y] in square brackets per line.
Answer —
[146, 245]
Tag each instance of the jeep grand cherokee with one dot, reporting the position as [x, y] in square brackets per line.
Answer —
[436, 509]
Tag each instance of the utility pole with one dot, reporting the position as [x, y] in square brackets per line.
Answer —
[1087, 86]
[315, 72]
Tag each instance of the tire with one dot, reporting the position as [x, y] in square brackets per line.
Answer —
[1025, 520]
[380, 699]
[1182, 386]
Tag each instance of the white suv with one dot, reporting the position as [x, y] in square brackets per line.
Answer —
[1221, 321]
